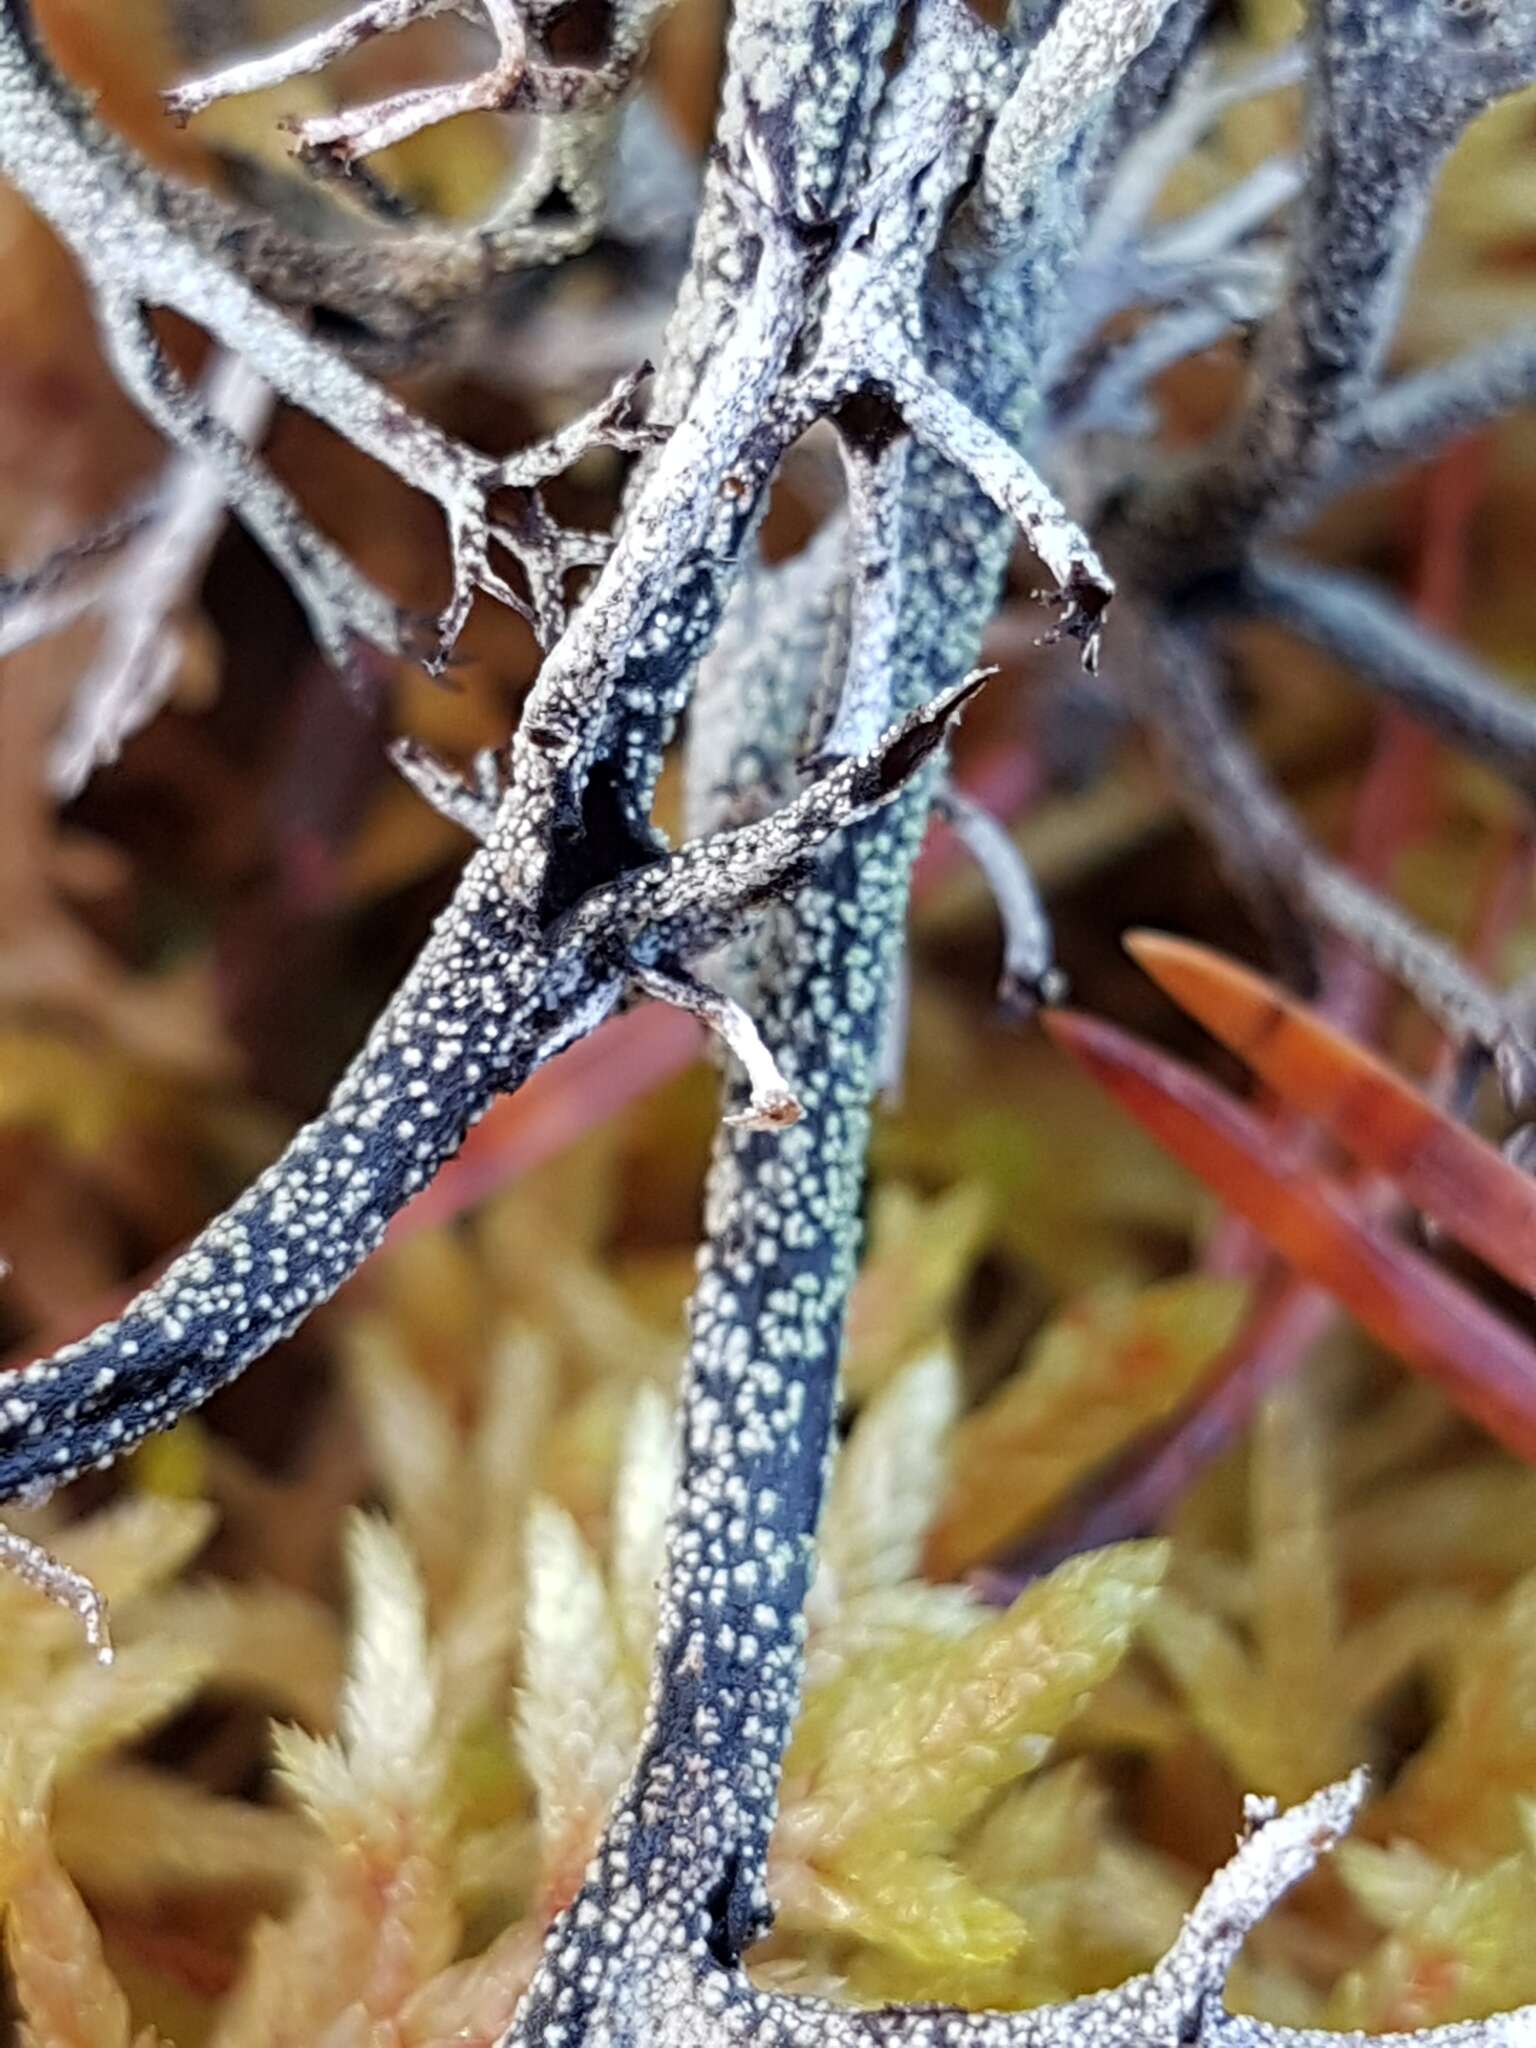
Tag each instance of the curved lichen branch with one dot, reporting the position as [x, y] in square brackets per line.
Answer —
[679, 1876]
[135, 261]
[342, 605]
[771, 1103]
[491, 998]
[1030, 976]
[515, 79]
[1294, 890]
[1278, 1851]
[469, 802]
[680, 1872]
[952, 430]
[38, 1568]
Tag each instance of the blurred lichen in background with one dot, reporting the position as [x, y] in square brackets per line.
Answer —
[384, 1614]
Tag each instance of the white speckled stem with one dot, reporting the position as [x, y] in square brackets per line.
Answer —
[491, 998]
[650, 1950]
[846, 255]
[677, 1885]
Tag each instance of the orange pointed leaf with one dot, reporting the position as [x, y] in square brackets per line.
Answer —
[1487, 1368]
[1443, 1168]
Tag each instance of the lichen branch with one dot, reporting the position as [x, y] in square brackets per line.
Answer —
[472, 804]
[1440, 685]
[939, 420]
[1030, 975]
[492, 997]
[1293, 888]
[37, 1567]
[770, 1103]
[302, 55]
[912, 226]
[511, 81]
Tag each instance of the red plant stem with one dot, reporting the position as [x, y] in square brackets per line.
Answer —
[1426, 1318]
[1292, 1316]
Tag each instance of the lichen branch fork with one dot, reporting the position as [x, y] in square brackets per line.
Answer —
[887, 238]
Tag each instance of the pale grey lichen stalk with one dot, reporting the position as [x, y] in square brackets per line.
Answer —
[1390, 88]
[138, 260]
[912, 230]
[395, 295]
[139, 591]
[553, 207]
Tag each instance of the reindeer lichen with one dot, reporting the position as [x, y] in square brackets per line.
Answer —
[913, 229]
